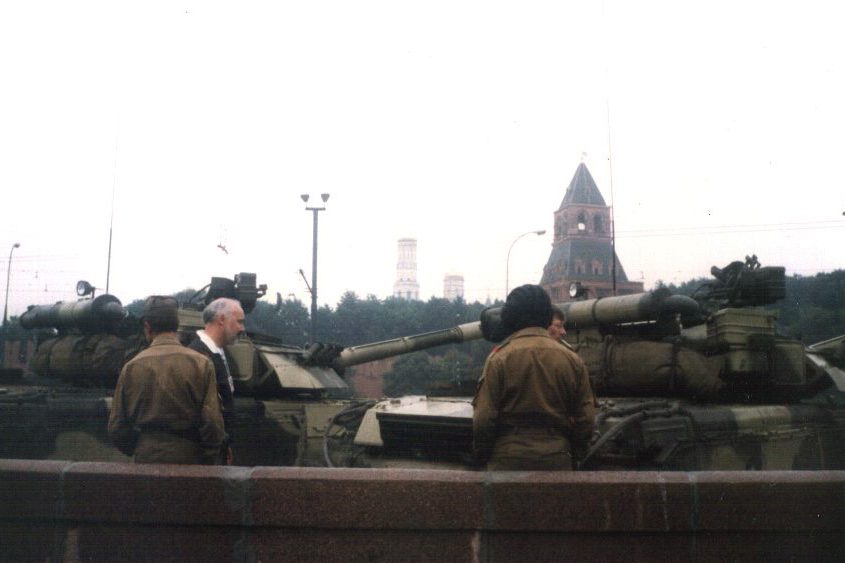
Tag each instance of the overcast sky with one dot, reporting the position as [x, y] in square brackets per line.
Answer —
[714, 128]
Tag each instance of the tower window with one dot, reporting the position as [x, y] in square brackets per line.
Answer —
[598, 225]
[580, 266]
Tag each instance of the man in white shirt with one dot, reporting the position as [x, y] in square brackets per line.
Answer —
[224, 321]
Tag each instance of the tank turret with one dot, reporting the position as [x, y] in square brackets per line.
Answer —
[720, 344]
[94, 337]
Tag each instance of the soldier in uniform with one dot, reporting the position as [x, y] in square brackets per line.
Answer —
[224, 321]
[534, 403]
[557, 329]
[165, 407]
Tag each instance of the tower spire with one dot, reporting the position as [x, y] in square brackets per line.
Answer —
[582, 248]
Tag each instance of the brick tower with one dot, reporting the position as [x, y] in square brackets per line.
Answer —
[582, 249]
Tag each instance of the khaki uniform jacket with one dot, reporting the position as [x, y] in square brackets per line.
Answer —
[532, 403]
[165, 407]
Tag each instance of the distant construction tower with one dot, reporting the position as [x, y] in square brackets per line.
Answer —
[453, 286]
[406, 286]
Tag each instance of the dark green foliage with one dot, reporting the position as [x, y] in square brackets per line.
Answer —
[355, 321]
[360, 321]
[687, 287]
[185, 295]
[418, 373]
[287, 320]
[135, 308]
[13, 330]
[814, 308]
[411, 375]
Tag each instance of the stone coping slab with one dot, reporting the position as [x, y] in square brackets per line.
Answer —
[406, 499]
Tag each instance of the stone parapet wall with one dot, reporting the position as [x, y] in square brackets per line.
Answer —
[66, 511]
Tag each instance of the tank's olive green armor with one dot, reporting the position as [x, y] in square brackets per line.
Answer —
[684, 383]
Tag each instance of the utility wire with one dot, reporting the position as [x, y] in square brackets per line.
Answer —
[759, 228]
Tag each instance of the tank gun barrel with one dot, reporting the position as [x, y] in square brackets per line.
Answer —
[638, 307]
[89, 315]
[379, 350]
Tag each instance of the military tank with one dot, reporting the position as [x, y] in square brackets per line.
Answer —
[285, 396]
[700, 382]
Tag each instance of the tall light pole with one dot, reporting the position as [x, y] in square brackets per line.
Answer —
[508, 265]
[313, 288]
[8, 276]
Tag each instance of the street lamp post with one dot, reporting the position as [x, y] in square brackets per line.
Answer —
[8, 276]
[508, 264]
[313, 288]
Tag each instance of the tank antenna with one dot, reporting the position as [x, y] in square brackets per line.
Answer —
[609, 163]
[612, 213]
[111, 218]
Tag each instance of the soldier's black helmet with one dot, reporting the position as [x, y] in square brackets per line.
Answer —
[527, 305]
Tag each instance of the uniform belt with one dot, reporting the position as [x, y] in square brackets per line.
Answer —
[534, 421]
[550, 428]
[192, 434]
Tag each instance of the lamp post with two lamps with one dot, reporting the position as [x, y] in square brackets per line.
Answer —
[313, 288]
[508, 265]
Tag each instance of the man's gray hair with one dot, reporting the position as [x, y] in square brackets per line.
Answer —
[220, 306]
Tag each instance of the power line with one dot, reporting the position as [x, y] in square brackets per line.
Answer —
[727, 229]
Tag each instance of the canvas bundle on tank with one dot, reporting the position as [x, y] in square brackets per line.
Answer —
[83, 360]
[107, 358]
[67, 357]
[40, 362]
[651, 369]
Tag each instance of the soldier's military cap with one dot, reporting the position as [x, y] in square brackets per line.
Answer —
[161, 309]
[527, 305]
